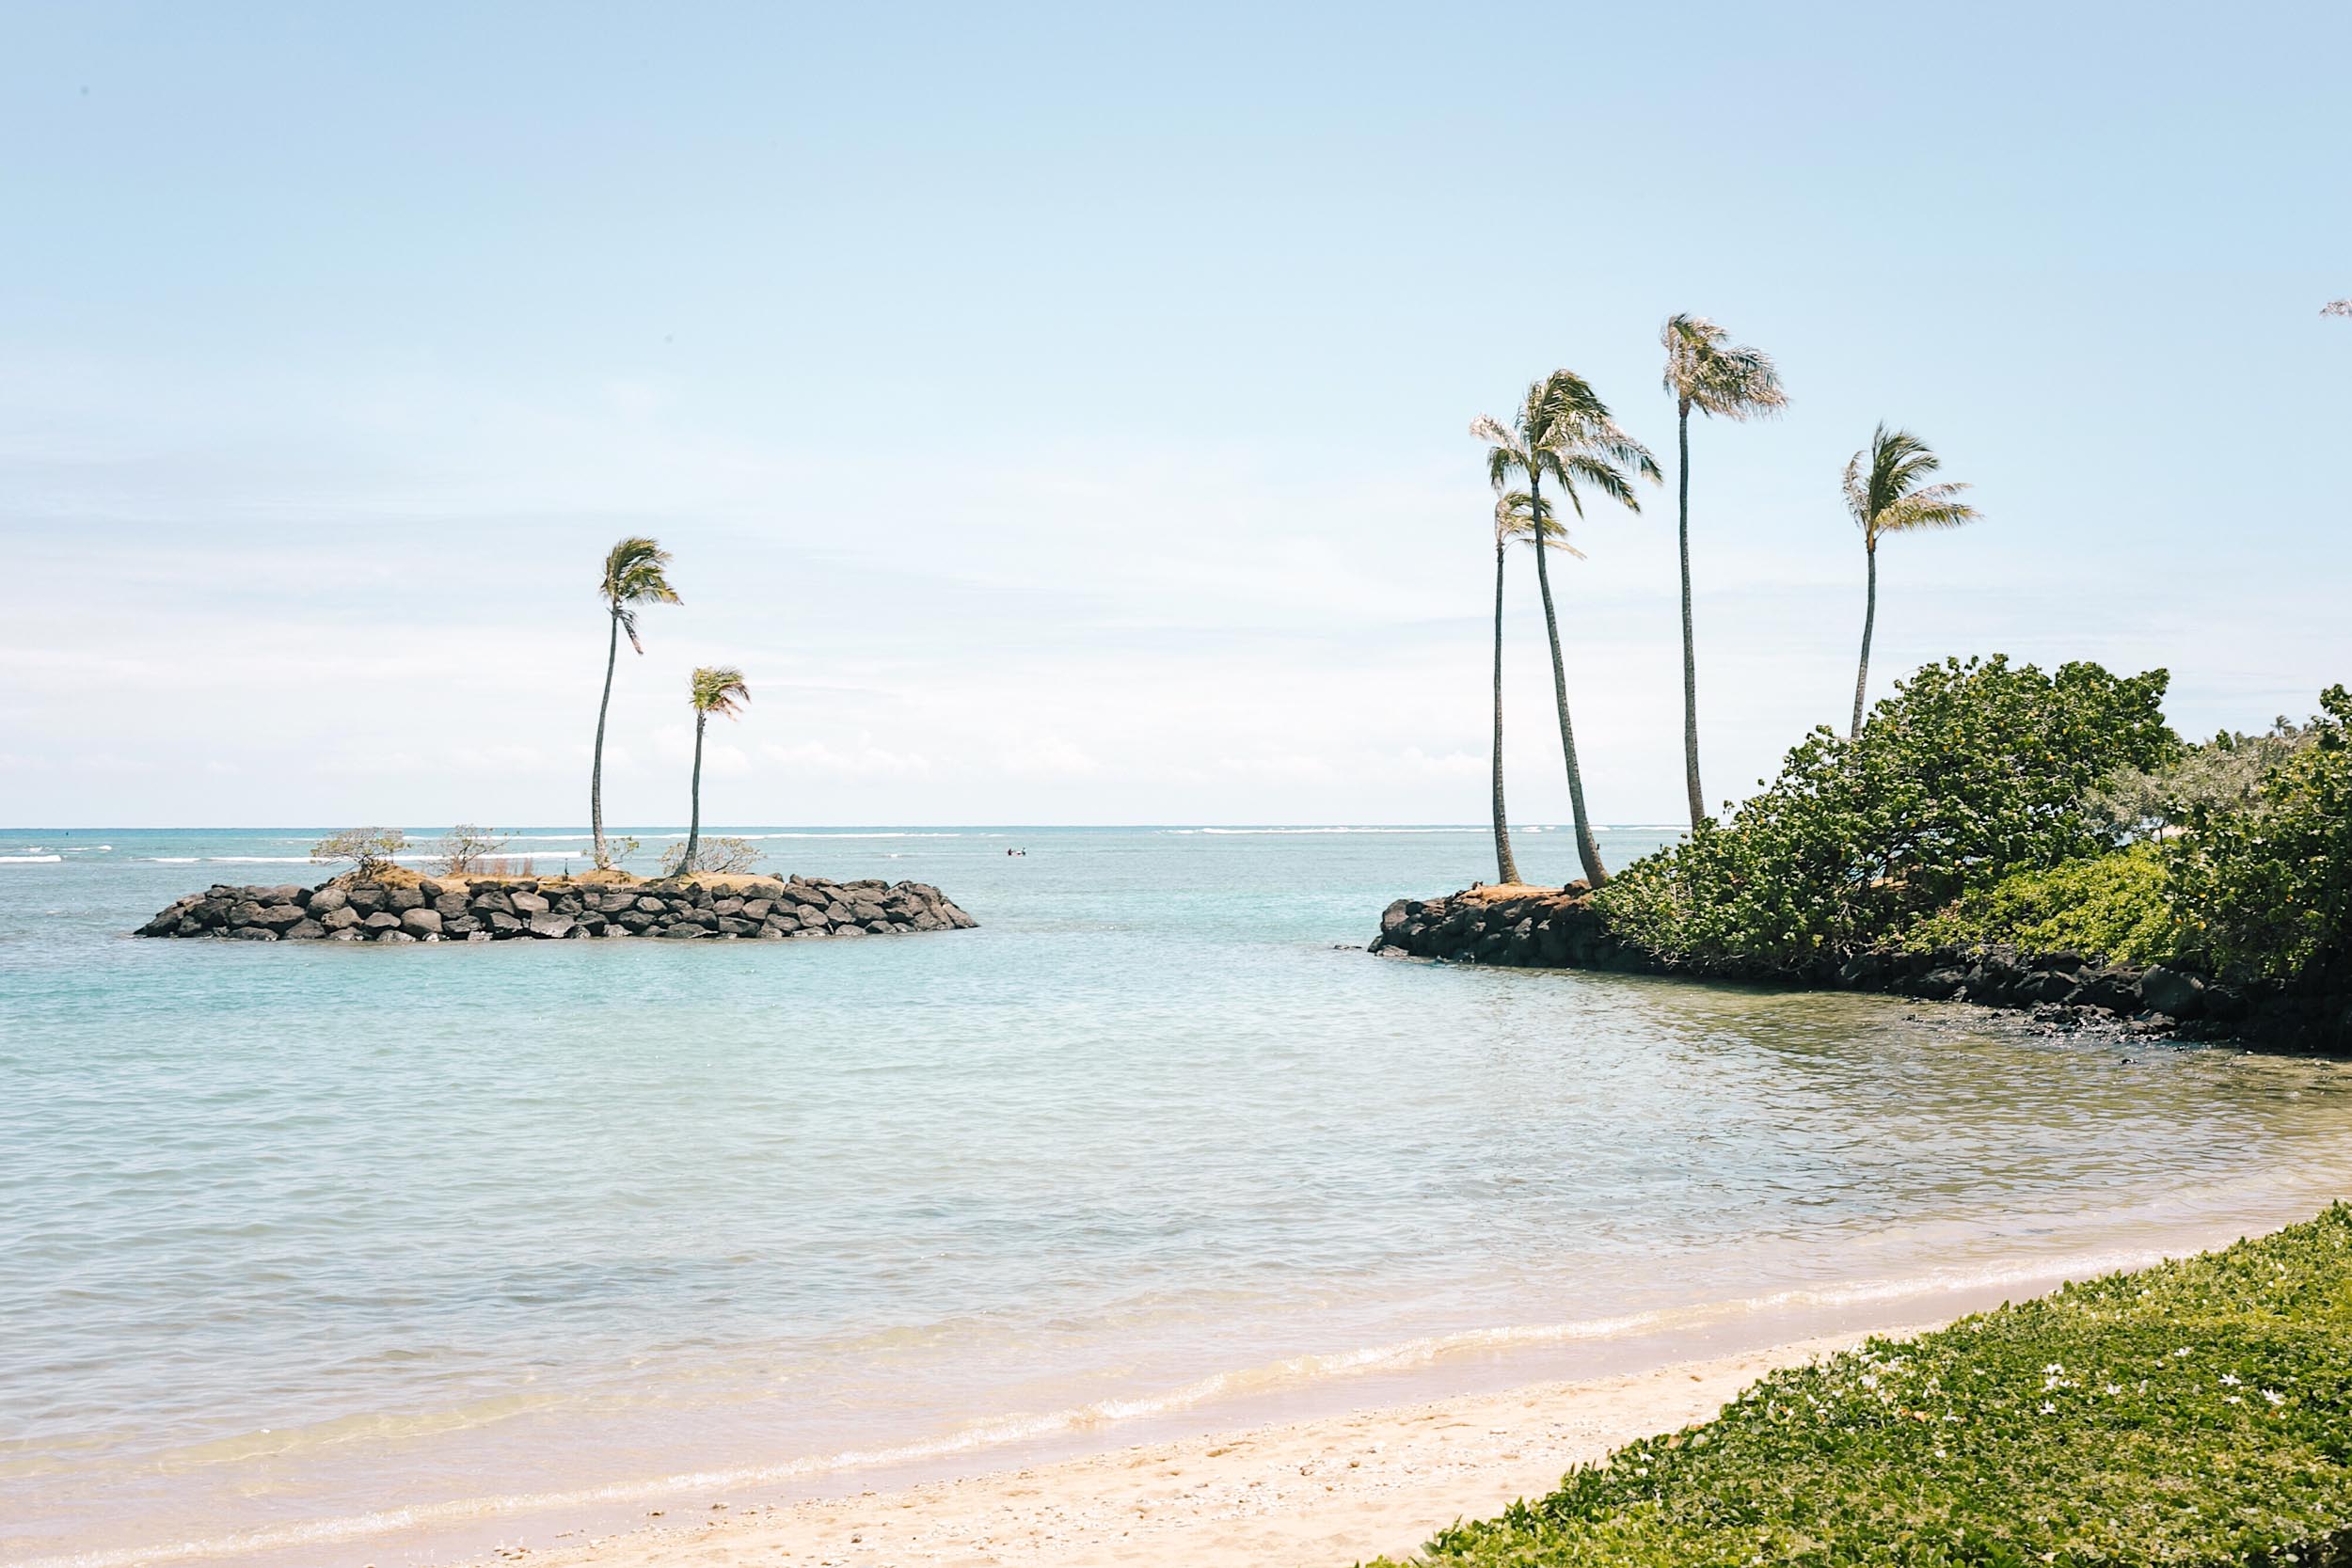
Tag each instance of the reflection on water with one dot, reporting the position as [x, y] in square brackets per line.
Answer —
[297, 1235]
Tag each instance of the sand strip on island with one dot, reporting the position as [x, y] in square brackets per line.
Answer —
[1315, 1493]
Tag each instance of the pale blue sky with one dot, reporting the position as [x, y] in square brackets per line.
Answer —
[1061, 415]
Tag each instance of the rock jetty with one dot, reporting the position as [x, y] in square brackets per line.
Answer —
[1525, 928]
[477, 908]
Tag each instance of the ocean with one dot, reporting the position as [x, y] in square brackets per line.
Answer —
[320, 1254]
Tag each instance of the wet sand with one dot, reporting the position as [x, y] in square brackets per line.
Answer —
[1323, 1493]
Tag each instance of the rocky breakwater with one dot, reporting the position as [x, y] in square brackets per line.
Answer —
[1525, 928]
[480, 909]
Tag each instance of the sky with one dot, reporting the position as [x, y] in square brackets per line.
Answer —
[1059, 414]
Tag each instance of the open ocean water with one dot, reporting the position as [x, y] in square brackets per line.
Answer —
[331, 1254]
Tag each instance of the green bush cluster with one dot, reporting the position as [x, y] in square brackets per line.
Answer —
[2199, 1412]
[2112, 910]
[2267, 890]
[1970, 772]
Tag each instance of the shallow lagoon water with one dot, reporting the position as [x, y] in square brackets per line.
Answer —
[497, 1235]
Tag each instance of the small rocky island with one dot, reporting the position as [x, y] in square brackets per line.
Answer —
[401, 906]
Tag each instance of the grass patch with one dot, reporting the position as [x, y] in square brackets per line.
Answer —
[2198, 1412]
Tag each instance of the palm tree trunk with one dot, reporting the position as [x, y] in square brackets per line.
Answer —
[1586, 850]
[595, 768]
[1869, 616]
[694, 826]
[1506, 868]
[1689, 653]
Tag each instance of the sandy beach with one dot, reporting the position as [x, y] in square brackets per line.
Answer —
[1322, 1493]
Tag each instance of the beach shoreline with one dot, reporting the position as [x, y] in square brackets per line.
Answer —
[1324, 1491]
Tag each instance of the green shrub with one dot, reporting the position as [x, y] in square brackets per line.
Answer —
[2267, 892]
[2224, 774]
[1968, 772]
[2112, 910]
[2199, 1412]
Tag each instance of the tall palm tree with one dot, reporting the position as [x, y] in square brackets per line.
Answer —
[1515, 519]
[633, 575]
[1706, 370]
[1562, 432]
[720, 690]
[1885, 494]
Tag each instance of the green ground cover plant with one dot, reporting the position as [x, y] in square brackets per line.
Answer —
[2198, 1412]
[2112, 908]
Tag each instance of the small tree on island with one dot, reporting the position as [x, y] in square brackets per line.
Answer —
[713, 690]
[718, 853]
[369, 851]
[464, 848]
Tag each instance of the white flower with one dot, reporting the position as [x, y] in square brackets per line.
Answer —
[2053, 1370]
[2229, 1380]
[2049, 1409]
[2182, 1350]
[1869, 1380]
[2114, 1388]
[2234, 1400]
[2274, 1396]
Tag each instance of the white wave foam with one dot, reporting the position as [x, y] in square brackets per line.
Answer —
[893, 833]
[30, 860]
[1248, 832]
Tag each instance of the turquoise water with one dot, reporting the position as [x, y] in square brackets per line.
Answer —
[327, 1255]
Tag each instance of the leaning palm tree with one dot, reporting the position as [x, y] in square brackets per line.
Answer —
[1884, 495]
[633, 575]
[1563, 431]
[1707, 371]
[720, 690]
[1516, 517]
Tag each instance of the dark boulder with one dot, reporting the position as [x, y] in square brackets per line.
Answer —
[2174, 992]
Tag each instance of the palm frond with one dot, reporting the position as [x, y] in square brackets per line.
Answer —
[628, 618]
[1516, 519]
[718, 689]
[1857, 490]
[1923, 510]
[1884, 490]
[1567, 436]
[1604, 477]
[635, 573]
[2337, 308]
[1506, 456]
[1710, 373]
